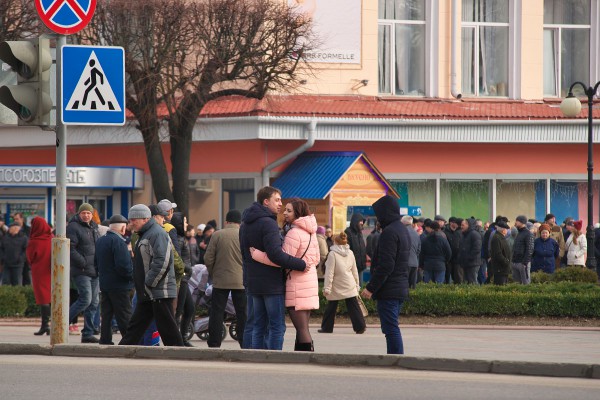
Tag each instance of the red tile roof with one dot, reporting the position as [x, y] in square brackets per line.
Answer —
[376, 107]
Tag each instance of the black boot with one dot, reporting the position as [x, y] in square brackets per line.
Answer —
[45, 309]
[304, 346]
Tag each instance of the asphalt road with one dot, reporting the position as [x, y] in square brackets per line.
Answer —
[48, 378]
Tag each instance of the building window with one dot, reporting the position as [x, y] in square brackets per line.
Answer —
[402, 47]
[566, 45]
[485, 47]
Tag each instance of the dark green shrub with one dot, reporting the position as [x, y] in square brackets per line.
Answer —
[540, 277]
[575, 274]
[13, 302]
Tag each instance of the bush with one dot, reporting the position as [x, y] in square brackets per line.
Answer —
[569, 274]
[13, 301]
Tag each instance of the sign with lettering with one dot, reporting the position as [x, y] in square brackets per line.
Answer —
[88, 177]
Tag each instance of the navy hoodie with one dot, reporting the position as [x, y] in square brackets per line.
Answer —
[259, 230]
[389, 277]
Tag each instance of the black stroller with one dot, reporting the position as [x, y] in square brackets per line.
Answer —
[201, 294]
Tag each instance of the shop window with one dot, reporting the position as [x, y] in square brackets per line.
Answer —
[402, 47]
[465, 198]
[485, 47]
[521, 197]
[29, 207]
[567, 49]
[416, 194]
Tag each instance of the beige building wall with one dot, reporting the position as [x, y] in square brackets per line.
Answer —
[532, 46]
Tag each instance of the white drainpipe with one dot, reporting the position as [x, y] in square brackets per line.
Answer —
[454, 51]
[310, 142]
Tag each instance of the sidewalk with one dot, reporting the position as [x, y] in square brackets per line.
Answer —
[560, 351]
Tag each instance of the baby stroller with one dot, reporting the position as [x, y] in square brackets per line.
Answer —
[201, 294]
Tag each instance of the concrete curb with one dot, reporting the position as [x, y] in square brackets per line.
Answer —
[590, 371]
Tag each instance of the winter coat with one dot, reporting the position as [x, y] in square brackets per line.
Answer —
[324, 251]
[341, 276]
[435, 252]
[372, 242]
[415, 248]
[115, 269]
[12, 250]
[223, 258]
[192, 244]
[39, 257]
[500, 254]
[180, 245]
[153, 270]
[389, 277]
[576, 252]
[83, 238]
[523, 246]
[545, 253]
[454, 240]
[470, 247]
[301, 288]
[259, 230]
[357, 242]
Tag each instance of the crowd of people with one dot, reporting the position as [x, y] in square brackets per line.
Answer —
[267, 270]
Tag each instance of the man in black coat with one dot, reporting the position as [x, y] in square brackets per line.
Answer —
[357, 243]
[83, 233]
[264, 284]
[115, 273]
[389, 277]
[12, 255]
[470, 250]
[522, 252]
[500, 254]
[454, 236]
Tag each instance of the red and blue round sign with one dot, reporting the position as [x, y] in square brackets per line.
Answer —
[66, 16]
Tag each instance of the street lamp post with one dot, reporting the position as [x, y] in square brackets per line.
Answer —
[571, 107]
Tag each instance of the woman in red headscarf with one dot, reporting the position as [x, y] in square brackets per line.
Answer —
[39, 254]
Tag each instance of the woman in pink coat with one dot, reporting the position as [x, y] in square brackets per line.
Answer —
[302, 288]
[39, 253]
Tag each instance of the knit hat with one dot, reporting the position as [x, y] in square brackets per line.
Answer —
[578, 225]
[544, 227]
[234, 216]
[320, 230]
[117, 219]
[434, 225]
[522, 219]
[439, 218]
[201, 227]
[139, 211]
[85, 207]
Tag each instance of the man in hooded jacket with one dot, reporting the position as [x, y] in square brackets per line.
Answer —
[389, 278]
[357, 243]
[470, 250]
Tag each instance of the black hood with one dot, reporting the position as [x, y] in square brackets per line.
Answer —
[355, 220]
[177, 222]
[387, 210]
[256, 211]
[472, 224]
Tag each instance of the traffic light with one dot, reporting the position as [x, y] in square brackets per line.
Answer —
[30, 98]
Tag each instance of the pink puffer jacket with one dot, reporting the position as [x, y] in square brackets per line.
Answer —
[302, 288]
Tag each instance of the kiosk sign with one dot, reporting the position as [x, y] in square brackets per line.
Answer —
[66, 17]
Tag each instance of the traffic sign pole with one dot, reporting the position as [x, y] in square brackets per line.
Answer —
[59, 332]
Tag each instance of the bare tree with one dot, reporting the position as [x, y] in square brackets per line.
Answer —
[18, 20]
[179, 55]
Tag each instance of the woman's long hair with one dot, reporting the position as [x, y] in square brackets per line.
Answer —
[576, 233]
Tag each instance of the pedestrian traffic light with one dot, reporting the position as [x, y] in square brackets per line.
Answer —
[30, 98]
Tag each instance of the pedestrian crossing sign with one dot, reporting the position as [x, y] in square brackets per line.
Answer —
[93, 85]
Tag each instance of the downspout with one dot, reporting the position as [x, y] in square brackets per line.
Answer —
[310, 142]
[454, 51]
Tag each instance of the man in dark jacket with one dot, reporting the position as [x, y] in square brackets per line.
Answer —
[154, 279]
[389, 278]
[12, 255]
[357, 244]
[522, 252]
[454, 236]
[373, 241]
[500, 254]
[415, 251]
[470, 250]
[83, 233]
[115, 273]
[264, 284]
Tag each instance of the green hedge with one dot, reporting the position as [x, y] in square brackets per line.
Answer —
[561, 299]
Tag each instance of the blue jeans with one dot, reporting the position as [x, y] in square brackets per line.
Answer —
[87, 302]
[389, 310]
[269, 321]
[436, 276]
[482, 275]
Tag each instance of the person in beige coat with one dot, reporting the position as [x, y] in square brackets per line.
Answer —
[341, 283]
[223, 259]
[323, 250]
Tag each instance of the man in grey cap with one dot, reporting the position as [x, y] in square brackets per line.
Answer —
[167, 206]
[154, 279]
[115, 272]
[522, 252]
